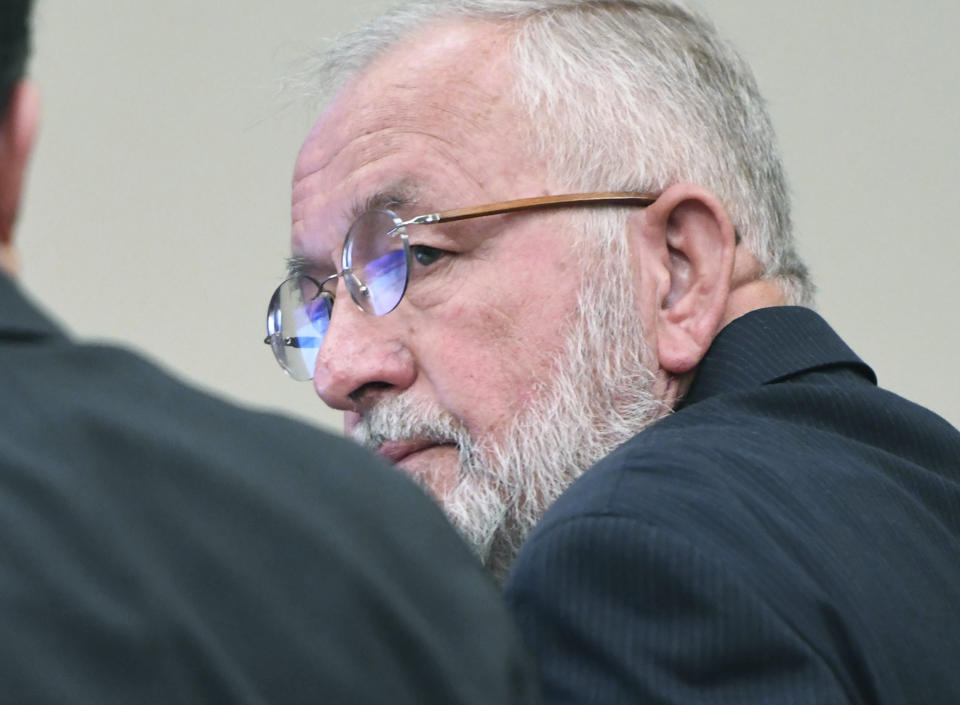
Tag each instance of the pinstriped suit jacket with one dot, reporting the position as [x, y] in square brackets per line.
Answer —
[791, 534]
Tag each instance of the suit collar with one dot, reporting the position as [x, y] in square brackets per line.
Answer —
[769, 345]
[20, 319]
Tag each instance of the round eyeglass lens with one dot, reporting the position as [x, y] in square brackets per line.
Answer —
[297, 321]
[376, 261]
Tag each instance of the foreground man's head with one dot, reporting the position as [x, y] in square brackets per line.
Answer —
[527, 344]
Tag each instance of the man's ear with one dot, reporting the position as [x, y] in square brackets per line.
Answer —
[17, 132]
[689, 244]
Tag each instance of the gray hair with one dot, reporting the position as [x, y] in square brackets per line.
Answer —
[625, 95]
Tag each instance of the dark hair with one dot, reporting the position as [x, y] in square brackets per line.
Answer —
[14, 45]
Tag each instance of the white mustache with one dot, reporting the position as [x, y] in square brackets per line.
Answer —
[400, 418]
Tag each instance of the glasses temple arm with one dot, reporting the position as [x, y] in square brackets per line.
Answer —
[603, 197]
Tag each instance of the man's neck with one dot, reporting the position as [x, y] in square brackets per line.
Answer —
[761, 293]
[745, 296]
[8, 260]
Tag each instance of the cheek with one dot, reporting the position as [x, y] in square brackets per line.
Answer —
[487, 361]
[494, 340]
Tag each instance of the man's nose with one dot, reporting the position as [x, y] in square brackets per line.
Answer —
[361, 358]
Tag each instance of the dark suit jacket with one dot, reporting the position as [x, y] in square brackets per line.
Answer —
[790, 535]
[160, 546]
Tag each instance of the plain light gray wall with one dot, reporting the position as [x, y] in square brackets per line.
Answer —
[157, 211]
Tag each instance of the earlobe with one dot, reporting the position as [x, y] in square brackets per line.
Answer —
[700, 244]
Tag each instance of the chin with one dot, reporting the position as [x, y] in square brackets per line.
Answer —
[436, 469]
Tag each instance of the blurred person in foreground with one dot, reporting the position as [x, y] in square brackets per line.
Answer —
[158, 545]
[535, 236]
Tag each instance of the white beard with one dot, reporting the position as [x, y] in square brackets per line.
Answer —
[600, 394]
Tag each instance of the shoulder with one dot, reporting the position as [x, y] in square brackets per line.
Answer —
[174, 533]
[110, 387]
[783, 484]
[821, 438]
[696, 456]
[93, 416]
[670, 557]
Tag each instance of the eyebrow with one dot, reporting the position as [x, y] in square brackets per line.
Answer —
[298, 266]
[402, 193]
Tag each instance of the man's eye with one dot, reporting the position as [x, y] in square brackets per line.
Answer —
[426, 255]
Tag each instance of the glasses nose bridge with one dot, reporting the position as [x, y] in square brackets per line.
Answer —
[345, 275]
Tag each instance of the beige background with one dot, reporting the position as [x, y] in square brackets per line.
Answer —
[157, 212]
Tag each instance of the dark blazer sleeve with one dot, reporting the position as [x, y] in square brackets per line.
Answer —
[621, 611]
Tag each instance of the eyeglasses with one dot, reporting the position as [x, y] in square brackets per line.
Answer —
[375, 266]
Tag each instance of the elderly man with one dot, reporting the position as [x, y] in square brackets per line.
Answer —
[524, 232]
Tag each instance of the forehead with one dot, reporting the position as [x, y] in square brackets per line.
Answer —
[436, 114]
